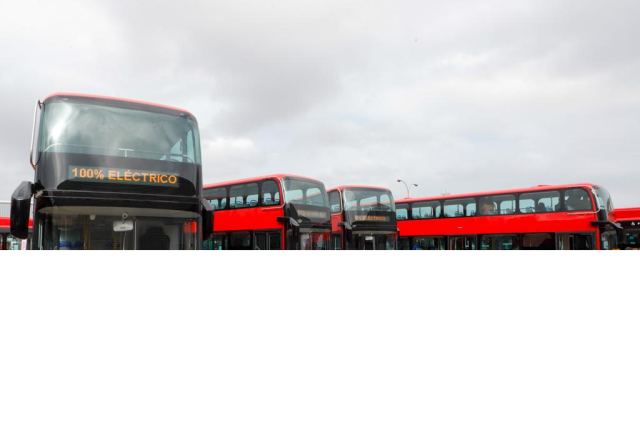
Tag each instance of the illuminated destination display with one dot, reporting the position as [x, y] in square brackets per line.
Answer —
[122, 176]
[371, 218]
[313, 214]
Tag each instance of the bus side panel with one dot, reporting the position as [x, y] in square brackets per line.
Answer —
[500, 224]
[335, 219]
[248, 219]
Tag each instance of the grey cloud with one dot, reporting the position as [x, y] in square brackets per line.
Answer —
[458, 96]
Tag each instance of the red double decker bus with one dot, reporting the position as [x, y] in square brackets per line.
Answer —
[629, 220]
[7, 241]
[576, 216]
[362, 217]
[269, 213]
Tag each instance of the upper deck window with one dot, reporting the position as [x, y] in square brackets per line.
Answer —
[402, 211]
[243, 195]
[217, 197]
[504, 204]
[110, 128]
[270, 194]
[426, 210]
[540, 202]
[577, 199]
[459, 207]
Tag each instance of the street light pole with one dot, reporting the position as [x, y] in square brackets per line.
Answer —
[406, 185]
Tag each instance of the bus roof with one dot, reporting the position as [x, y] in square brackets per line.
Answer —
[625, 214]
[493, 193]
[111, 98]
[368, 187]
[259, 178]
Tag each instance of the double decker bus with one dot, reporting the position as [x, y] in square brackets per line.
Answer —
[269, 212]
[112, 173]
[567, 217]
[7, 241]
[629, 220]
[362, 218]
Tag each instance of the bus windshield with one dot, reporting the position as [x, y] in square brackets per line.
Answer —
[604, 199]
[302, 192]
[368, 199]
[116, 228]
[89, 127]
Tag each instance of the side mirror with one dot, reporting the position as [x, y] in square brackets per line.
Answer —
[207, 219]
[20, 207]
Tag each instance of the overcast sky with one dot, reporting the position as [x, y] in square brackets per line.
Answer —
[452, 95]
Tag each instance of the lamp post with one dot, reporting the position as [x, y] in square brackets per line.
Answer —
[406, 185]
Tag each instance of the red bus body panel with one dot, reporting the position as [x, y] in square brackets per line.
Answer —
[626, 214]
[5, 224]
[258, 218]
[500, 224]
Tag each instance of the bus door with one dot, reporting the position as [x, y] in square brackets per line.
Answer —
[268, 240]
[336, 241]
[462, 243]
[575, 241]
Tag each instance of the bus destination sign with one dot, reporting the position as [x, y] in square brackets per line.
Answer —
[378, 217]
[122, 176]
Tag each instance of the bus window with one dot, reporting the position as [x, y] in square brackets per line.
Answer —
[217, 243]
[240, 240]
[541, 241]
[604, 199]
[120, 132]
[632, 238]
[385, 200]
[85, 228]
[243, 195]
[270, 195]
[462, 243]
[402, 212]
[217, 197]
[301, 192]
[577, 199]
[459, 207]
[261, 241]
[426, 210]
[385, 243]
[500, 242]
[314, 241]
[404, 243]
[498, 205]
[334, 201]
[428, 243]
[540, 202]
[275, 241]
[608, 240]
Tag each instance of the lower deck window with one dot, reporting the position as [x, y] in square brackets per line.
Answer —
[500, 242]
[541, 241]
